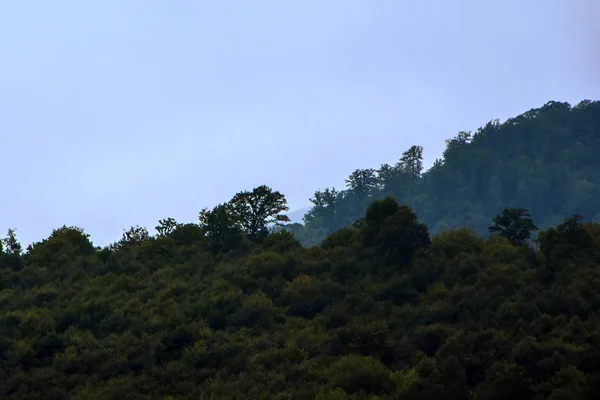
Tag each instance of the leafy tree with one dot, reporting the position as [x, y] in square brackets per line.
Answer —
[343, 238]
[282, 241]
[74, 236]
[401, 235]
[571, 225]
[377, 212]
[64, 243]
[354, 374]
[133, 236]
[515, 224]
[257, 209]
[221, 227]
[467, 316]
[188, 234]
[166, 226]
[569, 240]
[506, 380]
[393, 230]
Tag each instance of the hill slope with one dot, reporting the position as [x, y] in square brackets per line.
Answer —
[544, 160]
[226, 308]
[380, 311]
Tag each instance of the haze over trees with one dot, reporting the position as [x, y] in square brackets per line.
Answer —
[233, 306]
[544, 160]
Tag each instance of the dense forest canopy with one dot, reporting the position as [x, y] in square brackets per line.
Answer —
[544, 160]
[234, 307]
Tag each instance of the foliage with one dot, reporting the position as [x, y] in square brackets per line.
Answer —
[257, 209]
[221, 228]
[166, 226]
[132, 236]
[383, 309]
[543, 160]
[11, 244]
[515, 224]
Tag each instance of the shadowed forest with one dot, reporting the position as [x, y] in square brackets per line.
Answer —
[476, 279]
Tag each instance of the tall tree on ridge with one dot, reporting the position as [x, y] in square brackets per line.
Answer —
[257, 209]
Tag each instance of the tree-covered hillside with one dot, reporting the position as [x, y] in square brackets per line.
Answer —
[545, 160]
[233, 307]
[223, 309]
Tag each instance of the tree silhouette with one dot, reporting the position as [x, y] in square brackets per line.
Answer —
[221, 228]
[257, 209]
[515, 224]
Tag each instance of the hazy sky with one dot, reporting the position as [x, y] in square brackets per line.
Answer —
[120, 112]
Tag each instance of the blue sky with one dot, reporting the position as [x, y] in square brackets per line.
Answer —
[120, 112]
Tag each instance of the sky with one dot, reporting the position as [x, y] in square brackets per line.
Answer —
[122, 112]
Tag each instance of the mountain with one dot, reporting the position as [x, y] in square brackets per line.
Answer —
[544, 160]
[296, 216]
[381, 311]
[381, 308]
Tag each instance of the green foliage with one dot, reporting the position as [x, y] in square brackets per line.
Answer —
[133, 236]
[515, 224]
[376, 213]
[175, 317]
[166, 226]
[401, 235]
[381, 310]
[221, 228]
[359, 374]
[187, 234]
[66, 244]
[544, 160]
[345, 237]
[393, 230]
[281, 242]
[257, 209]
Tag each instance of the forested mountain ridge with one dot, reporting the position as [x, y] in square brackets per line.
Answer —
[545, 160]
[380, 311]
[229, 308]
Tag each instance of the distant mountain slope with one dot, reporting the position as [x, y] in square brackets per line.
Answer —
[296, 216]
[224, 309]
[545, 159]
